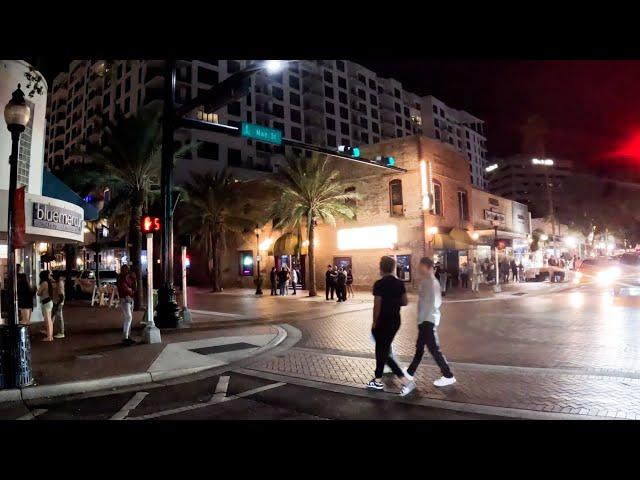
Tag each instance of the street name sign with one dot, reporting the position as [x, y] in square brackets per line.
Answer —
[260, 133]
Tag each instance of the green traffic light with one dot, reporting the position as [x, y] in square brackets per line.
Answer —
[391, 161]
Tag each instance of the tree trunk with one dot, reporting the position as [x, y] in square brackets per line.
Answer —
[135, 234]
[216, 280]
[312, 264]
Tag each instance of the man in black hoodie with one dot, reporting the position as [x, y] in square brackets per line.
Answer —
[330, 282]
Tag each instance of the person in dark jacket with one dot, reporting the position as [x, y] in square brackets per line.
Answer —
[330, 282]
[283, 278]
[273, 279]
[350, 293]
[341, 285]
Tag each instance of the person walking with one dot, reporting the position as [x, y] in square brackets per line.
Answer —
[476, 275]
[25, 296]
[389, 294]
[126, 289]
[464, 275]
[350, 293]
[45, 293]
[273, 279]
[441, 275]
[341, 285]
[514, 270]
[521, 272]
[429, 303]
[329, 282]
[58, 305]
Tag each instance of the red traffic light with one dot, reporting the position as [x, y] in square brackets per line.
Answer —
[150, 224]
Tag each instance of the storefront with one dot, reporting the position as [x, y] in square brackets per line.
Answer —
[452, 248]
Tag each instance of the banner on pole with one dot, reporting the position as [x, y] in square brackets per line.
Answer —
[19, 238]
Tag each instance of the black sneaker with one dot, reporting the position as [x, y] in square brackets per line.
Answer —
[127, 342]
[373, 385]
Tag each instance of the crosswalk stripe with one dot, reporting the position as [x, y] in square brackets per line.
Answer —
[130, 405]
[214, 400]
[32, 415]
[223, 385]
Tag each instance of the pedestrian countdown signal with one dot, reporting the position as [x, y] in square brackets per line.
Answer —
[150, 224]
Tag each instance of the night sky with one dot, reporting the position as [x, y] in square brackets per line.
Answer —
[592, 108]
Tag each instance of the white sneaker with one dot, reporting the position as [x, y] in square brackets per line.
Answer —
[406, 374]
[387, 369]
[407, 389]
[59, 335]
[444, 381]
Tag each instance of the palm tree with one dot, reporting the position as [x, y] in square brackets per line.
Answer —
[310, 191]
[216, 206]
[128, 164]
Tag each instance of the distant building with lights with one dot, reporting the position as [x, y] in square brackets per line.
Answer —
[325, 102]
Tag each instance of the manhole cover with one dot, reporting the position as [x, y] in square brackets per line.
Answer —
[229, 347]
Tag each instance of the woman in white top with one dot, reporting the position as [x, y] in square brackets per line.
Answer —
[45, 294]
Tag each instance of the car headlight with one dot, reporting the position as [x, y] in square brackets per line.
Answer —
[608, 276]
[615, 272]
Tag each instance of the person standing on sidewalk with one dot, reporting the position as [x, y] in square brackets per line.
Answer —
[25, 296]
[294, 279]
[476, 275]
[341, 285]
[126, 290]
[273, 279]
[389, 294]
[58, 305]
[283, 278]
[45, 292]
[428, 319]
[329, 282]
[464, 275]
[350, 293]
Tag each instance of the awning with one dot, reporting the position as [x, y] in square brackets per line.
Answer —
[53, 187]
[501, 234]
[455, 239]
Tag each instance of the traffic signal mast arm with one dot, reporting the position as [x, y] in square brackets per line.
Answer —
[229, 130]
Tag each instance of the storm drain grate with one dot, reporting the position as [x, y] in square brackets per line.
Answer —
[229, 347]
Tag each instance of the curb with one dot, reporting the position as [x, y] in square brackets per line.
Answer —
[111, 383]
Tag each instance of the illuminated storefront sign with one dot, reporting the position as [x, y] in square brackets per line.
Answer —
[384, 236]
[56, 218]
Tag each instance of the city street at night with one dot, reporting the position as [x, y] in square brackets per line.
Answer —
[535, 352]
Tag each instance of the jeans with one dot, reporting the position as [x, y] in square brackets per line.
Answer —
[274, 291]
[464, 278]
[283, 288]
[427, 335]
[59, 317]
[384, 339]
[126, 304]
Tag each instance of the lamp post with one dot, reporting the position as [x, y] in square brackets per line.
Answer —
[15, 348]
[258, 280]
[218, 96]
[546, 163]
[496, 287]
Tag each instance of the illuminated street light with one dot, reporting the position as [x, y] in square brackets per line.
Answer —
[491, 168]
[274, 66]
[544, 237]
[475, 235]
[542, 161]
[432, 230]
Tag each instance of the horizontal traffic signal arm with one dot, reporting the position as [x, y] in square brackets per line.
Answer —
[229, 130]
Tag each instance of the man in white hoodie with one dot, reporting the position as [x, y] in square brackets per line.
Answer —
[428, 320]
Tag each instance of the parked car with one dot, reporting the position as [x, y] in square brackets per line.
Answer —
[601, 271]
[87, 280]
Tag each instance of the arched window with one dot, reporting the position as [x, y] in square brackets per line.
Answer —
[463, 205]
[437, 198]
[396, 207]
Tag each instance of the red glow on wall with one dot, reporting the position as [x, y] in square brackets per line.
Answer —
[628, 150]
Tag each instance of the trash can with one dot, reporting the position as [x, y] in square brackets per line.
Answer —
[15, 357]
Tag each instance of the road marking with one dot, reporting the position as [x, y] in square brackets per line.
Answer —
[215, 399]
[32, 415]
[130, 405]
[223, 385]
[218, 314]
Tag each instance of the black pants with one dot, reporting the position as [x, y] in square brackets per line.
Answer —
[384, 339]
[465, 280]
[331, 287]
[427, 335]
[341, 292]
[274, 290]
[294, 287]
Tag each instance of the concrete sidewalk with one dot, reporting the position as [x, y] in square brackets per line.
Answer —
[92, 357]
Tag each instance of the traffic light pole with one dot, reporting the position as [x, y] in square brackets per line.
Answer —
[168, 310]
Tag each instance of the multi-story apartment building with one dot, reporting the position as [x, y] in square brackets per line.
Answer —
[519, 179]
[460, 129]
[325, 102]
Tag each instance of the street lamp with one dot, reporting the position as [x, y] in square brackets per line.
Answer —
[16, 348]
[547, 162]
[258, 280]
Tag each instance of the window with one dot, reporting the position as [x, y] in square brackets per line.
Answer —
[294, 99]
[329, 108]
[396, 93]
[328, 91]
[435, 109]
[342, 97]
[296, 133]
[364, 137]
[397, 108]
[340, 65]
[344, 129]
[375, 127]
[437, 198]
[246, 263]
[403, 267]
[342, 82]
[234, 109]
[344, 113]
[233, 66]
[210, 77]
[331, 123]
[463, 205]
[295, 115]
[277, 110]
[396, 206]
[372, 84]
[373, 99]
[208, 150]
[277, 93]
[328, 76]
[294, 82]
[331, 140]
[234, 157]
